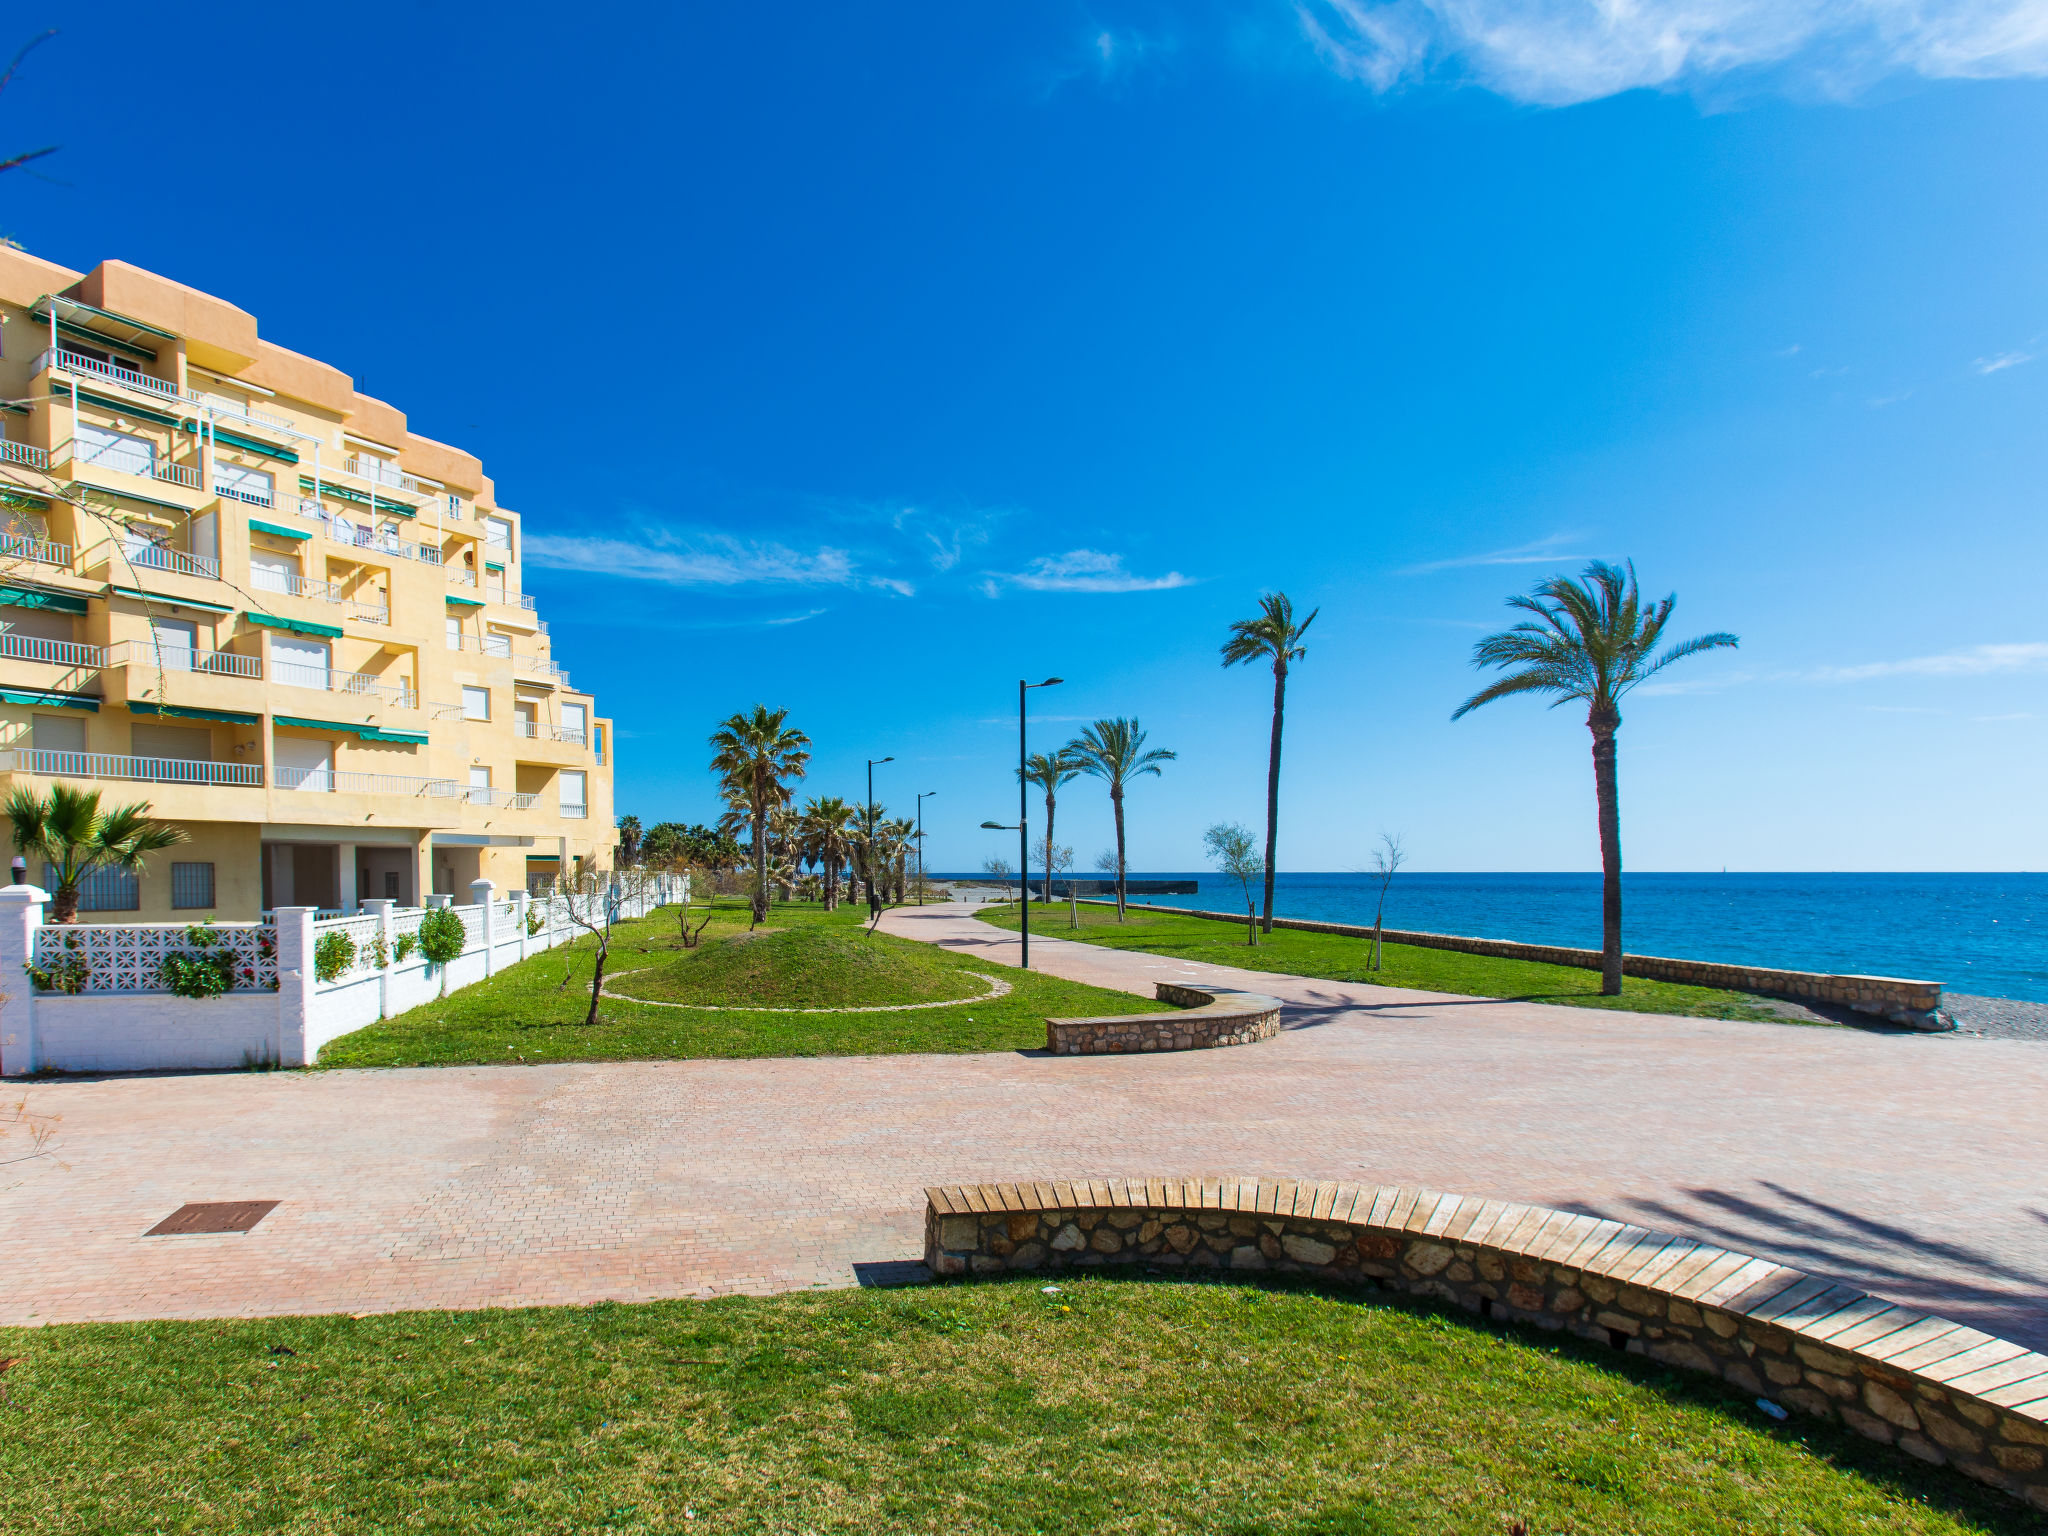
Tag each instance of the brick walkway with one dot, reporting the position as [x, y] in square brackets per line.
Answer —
[1916, 1166]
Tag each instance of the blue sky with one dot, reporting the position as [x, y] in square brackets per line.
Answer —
[862, 360]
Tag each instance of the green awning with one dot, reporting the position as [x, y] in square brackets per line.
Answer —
[465, 602]
[55, 700]
[360, 498]
[494, 565]
[115, 490]
[186, 712]
[42, 307]
[294, 626]
[29, 597]
[253, 445]
[257, 525]
[23, 501]
[162, 601]
[139, 412]
[365, 732]
[95, 338]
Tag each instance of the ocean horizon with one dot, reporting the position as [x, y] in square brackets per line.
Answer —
[1985, 934]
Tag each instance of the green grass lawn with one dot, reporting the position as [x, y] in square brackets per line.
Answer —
[1334, 957]
[810, 958]
[1115, 1405]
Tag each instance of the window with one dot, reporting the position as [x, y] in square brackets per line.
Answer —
[476, 703]
[191, 886]
[146, 546]
[497, 644]
[304, 763]
[58, 733]
[115, 450]
[270, 571]
[524, 722]
[479, 778]
[498, 533]
[597, 744]
[454, 505]
[454, 633]
[299, 663]
[574, 718]
[250, 485]
[104, 890]
[173, 743]
[176, 641]
[573, 803]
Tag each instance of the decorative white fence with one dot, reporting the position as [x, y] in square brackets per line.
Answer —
[95, 997]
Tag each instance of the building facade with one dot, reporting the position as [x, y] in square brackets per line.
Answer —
[235, 588]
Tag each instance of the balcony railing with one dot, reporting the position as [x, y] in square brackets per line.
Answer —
[378, 472]
[186, 475]
[244, 493]
[58, 653]
[234, 412]
[362, 684]
[460, 577]
[174, 658]
[447, 711]
[25, 453]
[147, 770]
[21, 546]
[477, 794]
[576, 812]
[327, 781]
[266, 580]
[161, 557]
[73, 362]
[535, 730]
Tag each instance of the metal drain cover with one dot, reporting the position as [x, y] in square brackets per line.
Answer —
[216, 1216]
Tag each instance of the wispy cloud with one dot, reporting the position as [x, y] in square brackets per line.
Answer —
[696, 560]
[1081, 570]
[1541, 552]
[1885, 400]
[1555, 52]
[2002, 361]
[1994, 719]
[794, 618]
[1972, 661]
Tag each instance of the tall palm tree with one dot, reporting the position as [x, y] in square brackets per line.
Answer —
[71, 834]
[870, 852]
[826, 824]
[758, 754]
[1589, 640]
[1049, 771]
[899, 833]
[1272, 636]
[1115, 752]
[630, 839]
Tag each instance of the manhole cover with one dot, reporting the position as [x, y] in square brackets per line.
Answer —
[215, 1216]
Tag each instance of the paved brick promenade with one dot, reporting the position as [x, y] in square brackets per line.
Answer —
[1916, 1166]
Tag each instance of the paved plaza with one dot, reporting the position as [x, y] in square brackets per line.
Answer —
[1915, 1166]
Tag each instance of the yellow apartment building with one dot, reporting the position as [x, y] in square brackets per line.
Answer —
[235, 588]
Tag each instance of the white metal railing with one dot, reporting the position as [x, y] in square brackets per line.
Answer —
[186, 475]
[525, 600]
[176, 658]
[243, 494]
[328, 781]
[447, 711]
[21, 546]
[461, 577]
[73, 362]
[536, 730]
[362, 684]
[248, 413]
[129, 957]
[24, 453]
[377, 472]
[147, 770]
[161, 557]
[58, 653]
[540, 666]
[477, 794]
[267, 579]
[576, 812]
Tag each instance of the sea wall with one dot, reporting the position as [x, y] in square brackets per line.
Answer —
[1938, 1390]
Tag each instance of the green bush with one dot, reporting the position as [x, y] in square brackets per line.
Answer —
[404, 945]
[207, 969]
[533, 923]
[442, 936]
[68, 973]
[333, 955]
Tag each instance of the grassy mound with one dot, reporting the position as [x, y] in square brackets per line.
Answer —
[810, 966]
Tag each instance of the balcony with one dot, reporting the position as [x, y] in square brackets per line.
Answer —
[241, 493]
[327, 781]
[377, 472]
[264, 580]
[144, 555]
[20, 546]
[186, 475]
[140, 653]
[145, 770]
[534, 730]
[57, 653]
[576, 812]
[162, 389]
[364, 685]
[460, 577]
[25, 454]
[477, 794]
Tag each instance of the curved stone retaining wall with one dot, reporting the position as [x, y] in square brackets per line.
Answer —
[1938, 1390]
[1902, 1001]
[1211, 1016]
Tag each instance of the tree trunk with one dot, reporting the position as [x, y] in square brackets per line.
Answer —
[1048, 847]
[760, 855]
[64, 904]
[1609, 797]
[1273, 782]
[1116, 801]
[597, 981]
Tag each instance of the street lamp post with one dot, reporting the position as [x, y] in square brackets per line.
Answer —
[1023, 822]
[920, 843]
[874, 900]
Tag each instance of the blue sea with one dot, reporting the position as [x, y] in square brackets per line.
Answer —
[1985, 934]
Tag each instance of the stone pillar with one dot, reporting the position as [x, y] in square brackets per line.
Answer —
[21, 914]
[295, 985]
[520, 902]
[480, 897]
[439, 899]
[380, 907]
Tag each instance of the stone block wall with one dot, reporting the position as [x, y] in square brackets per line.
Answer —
[1213, 1016]
[1940, 1391]
[1897, 999]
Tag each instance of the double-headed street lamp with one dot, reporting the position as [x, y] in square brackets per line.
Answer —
[1023, 824]
[920, 843]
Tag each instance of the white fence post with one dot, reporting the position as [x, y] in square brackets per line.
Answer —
[380, 908]
[21, 914]
[520, 902]
[440, 899]
[294, 983]
[480, 895]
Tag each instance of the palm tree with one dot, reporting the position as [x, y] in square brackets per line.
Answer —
[1115, 751]
[74, 837]
[1589, 640]
[1273, 636]
[870, 856]
[1050, 770]
[630, 838]
[826, 821]
[899, 832]
[757, 754]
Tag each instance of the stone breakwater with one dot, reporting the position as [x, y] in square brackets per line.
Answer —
[1914, 1004]
[1214, 1016]
[1939, 1391]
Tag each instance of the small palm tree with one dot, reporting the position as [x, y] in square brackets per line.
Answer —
[1049, 771]
[630, 838]
[900, 834]
[1589, 640]
[1272, 636]
[70, 833]
[758, 754]
[1115, 752]
[826, 823]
